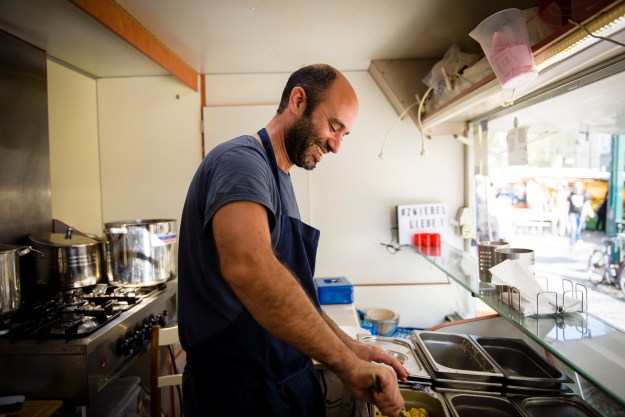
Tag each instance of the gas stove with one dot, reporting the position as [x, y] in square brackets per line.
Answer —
[71, 345]
[73, 313]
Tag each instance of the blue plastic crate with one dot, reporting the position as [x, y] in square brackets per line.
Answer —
[334, 290]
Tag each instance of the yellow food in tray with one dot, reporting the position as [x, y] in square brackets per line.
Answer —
[414, 412]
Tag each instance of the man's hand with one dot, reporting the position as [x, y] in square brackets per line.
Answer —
[366, 352]
[376, 384]
[372, 353]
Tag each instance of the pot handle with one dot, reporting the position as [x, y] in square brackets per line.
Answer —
[117, 231]
[24, 250]
[28, 249]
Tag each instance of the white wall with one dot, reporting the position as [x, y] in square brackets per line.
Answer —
[150, 146]
[74, 154]
[352, 195]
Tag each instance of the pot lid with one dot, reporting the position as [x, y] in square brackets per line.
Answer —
[7, 248]
[137, 222]
[61, 239]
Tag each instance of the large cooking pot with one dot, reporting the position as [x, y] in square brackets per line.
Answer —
[66, 260]
[106, 268]
[10, 295]
[143, 252]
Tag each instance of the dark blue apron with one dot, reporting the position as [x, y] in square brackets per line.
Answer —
[245, 370]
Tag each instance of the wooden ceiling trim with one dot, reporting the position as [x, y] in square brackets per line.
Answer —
[109, 14]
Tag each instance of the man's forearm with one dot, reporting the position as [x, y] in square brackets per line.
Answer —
[281, 306]
[268, 289]
[344, 337]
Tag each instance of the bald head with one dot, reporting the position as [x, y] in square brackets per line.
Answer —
[315, 80]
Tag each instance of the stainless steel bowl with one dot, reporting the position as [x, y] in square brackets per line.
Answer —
[385, 321]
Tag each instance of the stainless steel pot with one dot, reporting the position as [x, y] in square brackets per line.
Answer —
[106, 272]
[143, 252]
[10, 295]
[66, 260]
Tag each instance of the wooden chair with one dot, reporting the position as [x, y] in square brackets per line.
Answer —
[161, 336]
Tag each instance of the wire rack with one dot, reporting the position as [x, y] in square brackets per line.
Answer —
[572, 289]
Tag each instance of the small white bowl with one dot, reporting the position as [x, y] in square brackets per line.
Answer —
[385, 321]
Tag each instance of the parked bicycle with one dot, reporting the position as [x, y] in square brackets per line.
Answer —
[606, 263]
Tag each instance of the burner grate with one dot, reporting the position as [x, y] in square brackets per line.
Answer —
[72, 313]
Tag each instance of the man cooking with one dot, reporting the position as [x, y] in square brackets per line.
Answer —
[249, 318]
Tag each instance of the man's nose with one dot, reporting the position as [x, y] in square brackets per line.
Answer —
[334, 144]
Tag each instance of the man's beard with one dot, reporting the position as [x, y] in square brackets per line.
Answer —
[298, 141]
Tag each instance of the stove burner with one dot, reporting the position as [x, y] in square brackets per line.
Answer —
[72, 298]
[81, 326]
[72, 313]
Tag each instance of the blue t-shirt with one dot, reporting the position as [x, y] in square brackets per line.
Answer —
[237, 170]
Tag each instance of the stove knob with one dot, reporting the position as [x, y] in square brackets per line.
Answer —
[138, 336]
[127, 345]
[163, 318]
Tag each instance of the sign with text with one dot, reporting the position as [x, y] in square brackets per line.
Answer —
[421, 218]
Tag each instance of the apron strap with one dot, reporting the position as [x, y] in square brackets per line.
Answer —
[264, 138]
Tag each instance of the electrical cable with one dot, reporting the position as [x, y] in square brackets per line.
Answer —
[420, 124]
[401, 116]
[393, 249]
[604, 38]
[419, 102]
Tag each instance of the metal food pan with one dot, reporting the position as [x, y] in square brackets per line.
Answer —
[476, 405]
[435, 406]
[520, 364]
[457, 384]
[401, 350]
[455, 356]
[569, 406]
[561, 389]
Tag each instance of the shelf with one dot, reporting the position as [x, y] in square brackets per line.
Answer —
[584, 342]
[556, 62]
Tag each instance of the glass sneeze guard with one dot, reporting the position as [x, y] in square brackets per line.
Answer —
[582, 341]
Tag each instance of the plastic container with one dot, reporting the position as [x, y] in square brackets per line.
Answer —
[122, 398]
[334, 290]
[505, 41]
[426, 239]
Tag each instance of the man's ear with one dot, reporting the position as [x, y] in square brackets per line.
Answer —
[297, 101]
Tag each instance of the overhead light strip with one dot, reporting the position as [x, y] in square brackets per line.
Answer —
[604, 25]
